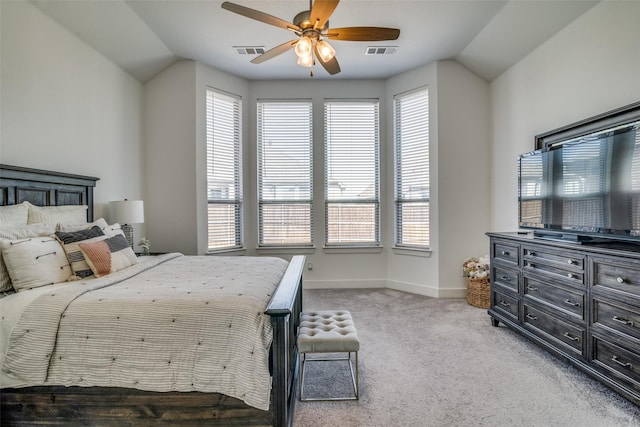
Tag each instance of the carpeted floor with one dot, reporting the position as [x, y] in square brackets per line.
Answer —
[439, 362]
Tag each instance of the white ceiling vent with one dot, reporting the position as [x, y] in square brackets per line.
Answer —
[249, 50]
[381, 50]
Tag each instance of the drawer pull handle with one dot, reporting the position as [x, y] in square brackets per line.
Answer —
[532, 288]
[622, 320]
[505, 304]
[570, 262]
[571, 337]
[505, 278]
[621, 363]
[532, 317]
[531, 253]
[570, 275]
[530, 265]
[575, 304]
[620, 279]
[505, 253]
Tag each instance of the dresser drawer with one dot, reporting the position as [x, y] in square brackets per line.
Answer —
[507, 304]
[618, 316]
[617, 359]
[506, 253]
[570, 261]
[573, 337]
[568, 300]
[505, 277]
[617, 273]
[575, 278]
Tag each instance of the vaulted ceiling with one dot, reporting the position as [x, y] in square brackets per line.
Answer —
[145, 36]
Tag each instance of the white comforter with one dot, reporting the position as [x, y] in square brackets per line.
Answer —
[169, 323]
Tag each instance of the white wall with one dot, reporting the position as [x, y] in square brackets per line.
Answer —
[590, 67]
[65, 107]
[460, 171]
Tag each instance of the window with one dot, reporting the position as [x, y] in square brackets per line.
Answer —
[351, 172]
[411, 169]
[224, 188]
[285, 173]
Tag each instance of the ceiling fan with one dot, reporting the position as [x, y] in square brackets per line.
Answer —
[312, 28]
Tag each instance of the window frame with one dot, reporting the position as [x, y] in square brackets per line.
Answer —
[305, 149]
[334, 147]
[423, 178]
[232, 133]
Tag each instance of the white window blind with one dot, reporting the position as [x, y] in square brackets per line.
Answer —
[285, 173]
[411, 169]
[224, 185]
[351, 172]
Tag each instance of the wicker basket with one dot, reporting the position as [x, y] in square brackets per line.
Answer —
[478, 294]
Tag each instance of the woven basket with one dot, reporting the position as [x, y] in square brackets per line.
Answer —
[478, 294]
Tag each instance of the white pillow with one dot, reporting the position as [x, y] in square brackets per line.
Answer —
[15, 233]
[14, 215]
[69, 214]
[35, 262]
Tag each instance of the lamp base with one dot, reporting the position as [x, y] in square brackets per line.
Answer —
[127, 229]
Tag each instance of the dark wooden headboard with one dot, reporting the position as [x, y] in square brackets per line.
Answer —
[45, 188]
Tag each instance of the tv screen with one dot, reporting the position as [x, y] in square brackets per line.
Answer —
[585, 186]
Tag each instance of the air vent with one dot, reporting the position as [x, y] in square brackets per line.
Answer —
[381, 50]
[249, 50]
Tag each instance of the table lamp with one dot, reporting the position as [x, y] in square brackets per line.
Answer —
[127, 212]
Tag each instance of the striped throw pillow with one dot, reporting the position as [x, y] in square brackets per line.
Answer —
[109, 255]
[70, 242]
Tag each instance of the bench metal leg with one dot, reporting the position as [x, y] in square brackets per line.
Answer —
[354, 377]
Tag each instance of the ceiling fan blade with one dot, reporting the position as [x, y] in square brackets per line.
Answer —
[321, 11]
[331, 66]
[259, 16]
[273, 52]
[363, 34]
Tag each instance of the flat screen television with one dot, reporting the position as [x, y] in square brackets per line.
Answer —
[585, 188]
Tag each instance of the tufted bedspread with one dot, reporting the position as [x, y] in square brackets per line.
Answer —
[168, 323]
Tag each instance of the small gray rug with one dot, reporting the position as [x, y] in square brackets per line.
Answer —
[439, 362]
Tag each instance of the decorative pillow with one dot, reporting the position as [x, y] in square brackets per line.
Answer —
[109, 230]
[16, 233]
[109, 255]
[14, 215]
[83, 225]
[70, 214]
[35, 262]
[70, 242]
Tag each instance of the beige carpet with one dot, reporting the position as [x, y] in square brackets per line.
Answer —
[439, 362]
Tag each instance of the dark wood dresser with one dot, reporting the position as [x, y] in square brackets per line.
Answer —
[580, 302]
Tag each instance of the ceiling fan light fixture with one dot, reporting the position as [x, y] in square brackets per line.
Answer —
[303, 47]
[325, 51]
[305, 60]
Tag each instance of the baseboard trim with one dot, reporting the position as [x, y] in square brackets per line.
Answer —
[390, 284]
[344, 284]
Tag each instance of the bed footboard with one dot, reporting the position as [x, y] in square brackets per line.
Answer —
[284, 309]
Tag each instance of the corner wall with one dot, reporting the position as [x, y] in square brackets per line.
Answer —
[65, 107]
[590, 67]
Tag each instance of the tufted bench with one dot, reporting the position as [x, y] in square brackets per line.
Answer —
[328, 331]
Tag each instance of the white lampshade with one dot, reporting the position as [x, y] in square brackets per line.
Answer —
[127, 211]
[325, 51]
[305, 61]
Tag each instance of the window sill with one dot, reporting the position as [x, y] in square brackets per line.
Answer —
[352, 249]
[226, 251]
[286, 249]
[423, 253]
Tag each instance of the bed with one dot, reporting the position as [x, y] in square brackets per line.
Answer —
[126, 399]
